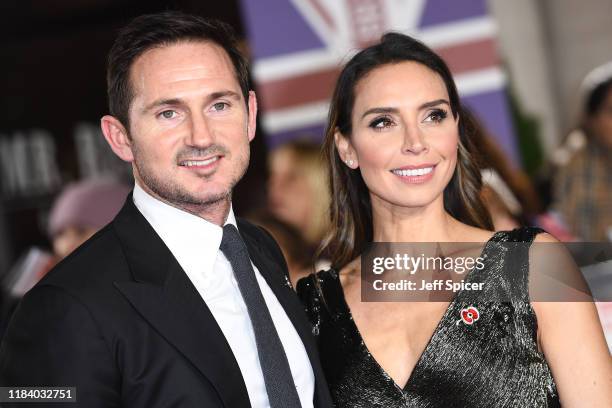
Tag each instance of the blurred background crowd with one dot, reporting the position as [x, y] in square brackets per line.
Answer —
[535, 76]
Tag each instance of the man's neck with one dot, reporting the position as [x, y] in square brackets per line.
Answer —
[214, 212]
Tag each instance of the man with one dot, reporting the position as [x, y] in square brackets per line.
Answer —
[163, 307]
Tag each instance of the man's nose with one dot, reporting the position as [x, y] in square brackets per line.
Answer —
[201, 135]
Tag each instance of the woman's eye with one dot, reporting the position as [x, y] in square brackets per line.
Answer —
[381, 123]
[168, 114]
[436, 116]
[219, 106]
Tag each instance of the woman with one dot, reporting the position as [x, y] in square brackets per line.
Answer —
[401, 171]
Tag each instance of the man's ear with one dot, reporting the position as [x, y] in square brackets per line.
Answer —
[252, 120]
[117, 137]
[345, 150]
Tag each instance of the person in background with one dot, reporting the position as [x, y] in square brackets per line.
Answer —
[298, 254]
[297, 189]
[507, 191]
[81, 209]
[583, 185]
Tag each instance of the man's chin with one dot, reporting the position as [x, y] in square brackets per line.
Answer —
[191, 199]
[208, 197]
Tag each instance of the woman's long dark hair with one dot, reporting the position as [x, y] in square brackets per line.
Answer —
[351, 210]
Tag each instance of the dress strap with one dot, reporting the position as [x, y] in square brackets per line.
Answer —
[330, 292]
[318, 293]
[523, 234]
[517, 262]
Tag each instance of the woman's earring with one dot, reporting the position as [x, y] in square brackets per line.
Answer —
[349, 162]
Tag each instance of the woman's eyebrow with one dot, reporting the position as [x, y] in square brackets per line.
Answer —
[385, 109]
[379, 110]
[433, 103]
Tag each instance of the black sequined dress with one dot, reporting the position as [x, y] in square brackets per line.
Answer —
[495, 362]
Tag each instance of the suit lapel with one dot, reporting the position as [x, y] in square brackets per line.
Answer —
[275, 277]
[165, 297]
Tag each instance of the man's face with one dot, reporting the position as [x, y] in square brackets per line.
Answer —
[189, 124]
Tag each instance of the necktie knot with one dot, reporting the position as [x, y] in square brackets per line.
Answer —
[232, 244]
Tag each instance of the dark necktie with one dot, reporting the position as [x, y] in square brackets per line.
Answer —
[274, 364]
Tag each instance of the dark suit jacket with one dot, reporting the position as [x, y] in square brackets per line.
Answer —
[120, 320]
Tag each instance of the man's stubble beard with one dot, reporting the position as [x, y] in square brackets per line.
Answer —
[172, 192]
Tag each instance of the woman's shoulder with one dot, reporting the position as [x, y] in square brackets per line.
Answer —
[519, 234]
[314, 284]
[316, 291]
[525, 234]
[332, 279]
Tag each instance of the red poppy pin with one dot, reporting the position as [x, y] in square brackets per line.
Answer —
[469, 315]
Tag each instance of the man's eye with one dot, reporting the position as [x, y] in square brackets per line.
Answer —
[168, 114]
[219, 106]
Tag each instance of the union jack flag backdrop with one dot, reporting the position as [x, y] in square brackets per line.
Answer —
[298, 47]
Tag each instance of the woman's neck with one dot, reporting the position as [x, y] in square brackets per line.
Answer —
[430, 223]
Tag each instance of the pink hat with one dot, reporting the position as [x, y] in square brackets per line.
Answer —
[87, 204]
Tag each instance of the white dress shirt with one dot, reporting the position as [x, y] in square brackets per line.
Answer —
[195, 242]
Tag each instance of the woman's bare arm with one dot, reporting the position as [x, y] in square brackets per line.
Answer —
[572, 339]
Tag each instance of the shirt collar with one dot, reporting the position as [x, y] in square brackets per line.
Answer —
[193, 241]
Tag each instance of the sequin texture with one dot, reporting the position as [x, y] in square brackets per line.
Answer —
[494, 362]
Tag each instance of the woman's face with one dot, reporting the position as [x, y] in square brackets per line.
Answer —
[404, 138]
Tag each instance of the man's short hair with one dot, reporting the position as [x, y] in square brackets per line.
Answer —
[158, 30]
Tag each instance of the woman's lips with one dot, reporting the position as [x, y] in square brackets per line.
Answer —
[415, 174]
